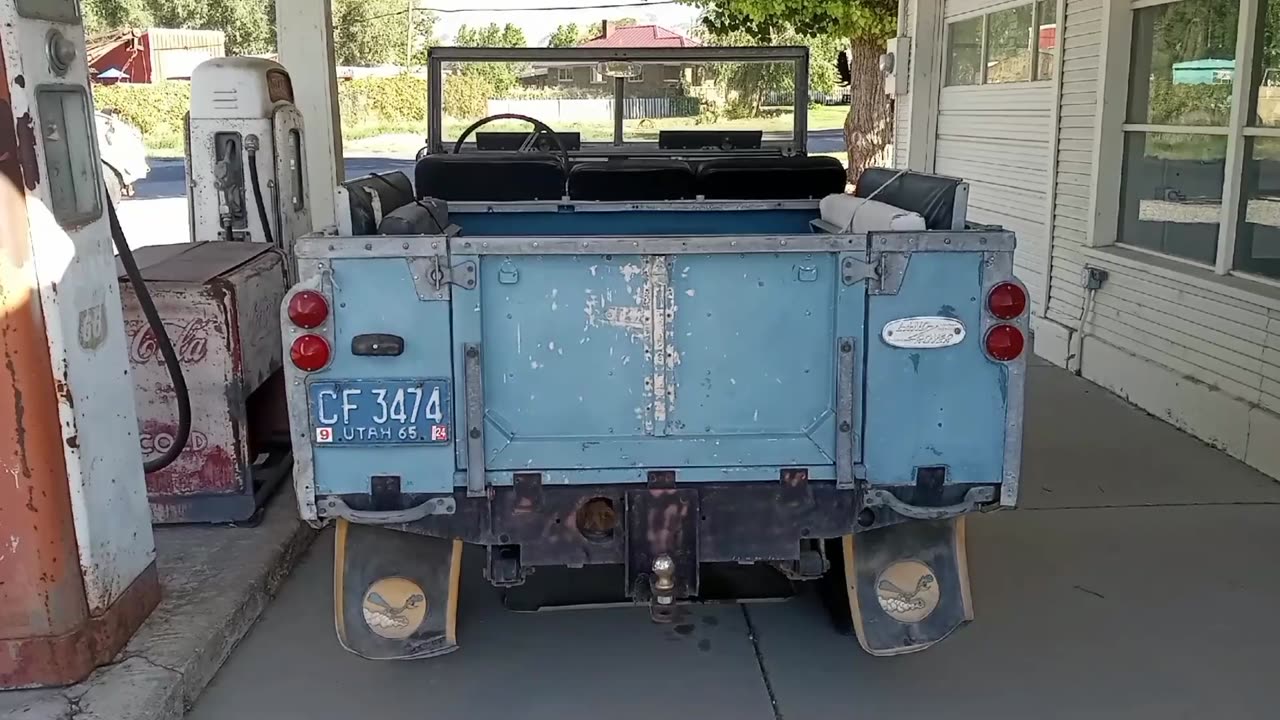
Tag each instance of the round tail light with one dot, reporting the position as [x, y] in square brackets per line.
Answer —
[1005, 342]
[308, 309]
[1007, 301]
[310, 353]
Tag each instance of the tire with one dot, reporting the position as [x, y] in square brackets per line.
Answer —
[115, 187]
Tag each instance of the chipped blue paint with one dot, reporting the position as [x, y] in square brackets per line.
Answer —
[572, 389]
[943, 403]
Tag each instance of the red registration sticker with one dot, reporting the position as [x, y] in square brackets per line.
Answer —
[439, 433]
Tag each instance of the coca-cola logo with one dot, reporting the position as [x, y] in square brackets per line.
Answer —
[158, 442]
[190, 342]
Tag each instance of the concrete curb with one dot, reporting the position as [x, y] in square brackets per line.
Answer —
[216, 581]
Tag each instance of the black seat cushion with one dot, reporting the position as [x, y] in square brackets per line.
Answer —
[631, 179]
[769, 178]
[933, 196]
[490, 176]
[393, 190]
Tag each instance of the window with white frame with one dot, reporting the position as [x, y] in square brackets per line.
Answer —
[1011, 44]
[1200, 177]
[564, 74]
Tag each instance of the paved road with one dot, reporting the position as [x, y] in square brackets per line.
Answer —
[157, 214]
[1137, 582]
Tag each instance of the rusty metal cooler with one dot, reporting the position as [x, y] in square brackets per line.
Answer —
[220, 304]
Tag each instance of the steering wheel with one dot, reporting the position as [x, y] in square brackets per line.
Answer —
[539, 128]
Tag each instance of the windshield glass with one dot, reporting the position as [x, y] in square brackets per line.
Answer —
[579, 95]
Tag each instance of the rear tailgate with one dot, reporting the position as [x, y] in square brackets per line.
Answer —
[604, 358]
[599, 359]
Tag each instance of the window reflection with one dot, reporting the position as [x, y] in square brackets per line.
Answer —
[1171, 193]
[1009, 45]
[964, 52]
[1183, 63]
[1258, 233]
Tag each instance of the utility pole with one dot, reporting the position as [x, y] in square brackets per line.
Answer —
[408, 45]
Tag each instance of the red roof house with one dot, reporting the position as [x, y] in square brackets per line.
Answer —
[637, 36]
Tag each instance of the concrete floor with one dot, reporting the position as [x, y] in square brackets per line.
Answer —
[1138, 581]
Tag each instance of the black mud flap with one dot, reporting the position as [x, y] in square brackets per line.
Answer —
[395, 594]
[908, 584]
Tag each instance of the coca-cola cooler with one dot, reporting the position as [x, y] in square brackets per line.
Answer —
[219, 302]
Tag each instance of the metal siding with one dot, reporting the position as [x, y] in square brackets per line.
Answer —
[1207, 336]
[1078, 105]
[902, 106]
[998, 138]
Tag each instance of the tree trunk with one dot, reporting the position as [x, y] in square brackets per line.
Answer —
[869, 127]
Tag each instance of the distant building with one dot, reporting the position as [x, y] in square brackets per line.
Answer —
[655, 80]
[144, 55]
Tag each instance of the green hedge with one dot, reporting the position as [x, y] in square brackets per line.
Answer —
[156, 108]
[402, 98]
[159, 109]
[1189, 103]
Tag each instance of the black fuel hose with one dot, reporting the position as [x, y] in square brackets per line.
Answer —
[257, 191]
[162, 339]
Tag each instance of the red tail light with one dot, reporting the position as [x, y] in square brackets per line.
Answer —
[1007, 301]
[308, 309]
[310, 353]
[1005, 342]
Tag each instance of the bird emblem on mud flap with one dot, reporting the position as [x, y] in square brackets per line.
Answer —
[908, 591]
[394, 607]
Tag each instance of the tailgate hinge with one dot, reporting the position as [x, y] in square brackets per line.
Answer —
[433, 275]
[883, 271]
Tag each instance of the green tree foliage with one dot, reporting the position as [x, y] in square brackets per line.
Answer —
[491, 35]
[497, 79]
[366, 32]
[862, 24]
[380, 32]
[249, 24]
[565, 36]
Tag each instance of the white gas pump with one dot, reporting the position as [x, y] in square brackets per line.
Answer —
[246, 166]
[77, 574]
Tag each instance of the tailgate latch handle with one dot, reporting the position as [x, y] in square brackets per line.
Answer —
[377, 345]
[973, 500]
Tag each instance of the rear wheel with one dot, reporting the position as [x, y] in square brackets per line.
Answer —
[115, 186]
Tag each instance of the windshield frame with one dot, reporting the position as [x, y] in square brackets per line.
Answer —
[798, 56]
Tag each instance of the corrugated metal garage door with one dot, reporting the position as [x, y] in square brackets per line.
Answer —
[998, 136]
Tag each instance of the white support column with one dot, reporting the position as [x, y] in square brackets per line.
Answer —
[926, 68]
[304, 36]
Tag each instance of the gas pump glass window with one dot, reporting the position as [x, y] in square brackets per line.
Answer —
[66, 127]
[64, 11]
[710, 96]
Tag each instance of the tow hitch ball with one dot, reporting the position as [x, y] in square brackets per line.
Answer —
[663, 585]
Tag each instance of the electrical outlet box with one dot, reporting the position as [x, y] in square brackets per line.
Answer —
[894, 64]
[1092, 278]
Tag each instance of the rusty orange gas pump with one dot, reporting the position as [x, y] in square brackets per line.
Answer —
[77, 558]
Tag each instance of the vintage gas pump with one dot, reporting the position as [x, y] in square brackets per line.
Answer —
[77, 559]
[219, 297]
[245, 164]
